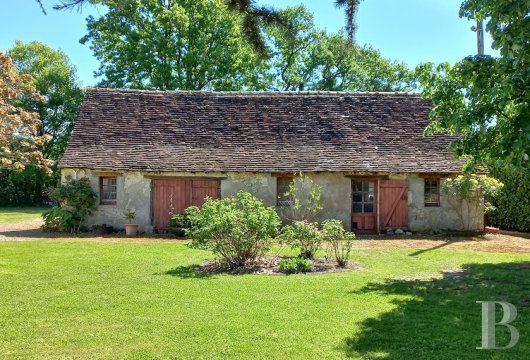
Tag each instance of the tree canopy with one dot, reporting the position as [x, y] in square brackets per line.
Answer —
[181, 45]
[167, 45]
[54, 78]
[19, 139]
[306, 58]
[255, 17]
[484, 100]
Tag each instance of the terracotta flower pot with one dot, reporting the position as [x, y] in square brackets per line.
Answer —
[131, 229]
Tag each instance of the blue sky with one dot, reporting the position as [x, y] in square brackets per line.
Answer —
[412, 31]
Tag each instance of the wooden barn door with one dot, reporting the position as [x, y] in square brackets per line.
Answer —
[201, 189]
[394, 204]
[175, 195]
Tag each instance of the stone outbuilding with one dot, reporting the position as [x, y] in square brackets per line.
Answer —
[159, 152]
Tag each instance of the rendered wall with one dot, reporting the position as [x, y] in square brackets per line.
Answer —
[336, 192]
[134, 192]
[439, 218]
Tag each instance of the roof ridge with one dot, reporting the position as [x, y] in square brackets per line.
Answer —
[256, 93]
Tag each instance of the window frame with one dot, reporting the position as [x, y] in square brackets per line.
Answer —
[280, 202]
[427, 187]
[102, 200]
[362, 192]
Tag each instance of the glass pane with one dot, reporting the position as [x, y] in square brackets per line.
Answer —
[366, 186]
[371, 187]
[431, 198]
[112, 181]
[368, 197]
[283, 190]
[368, 208]
[357, 186]
[357, 197]
[357, 208]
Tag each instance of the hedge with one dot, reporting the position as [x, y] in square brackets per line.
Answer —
[513, 201]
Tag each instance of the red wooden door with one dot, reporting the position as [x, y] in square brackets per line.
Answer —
[172, 196]
[201, 189]
[364, 205]
[394, 204]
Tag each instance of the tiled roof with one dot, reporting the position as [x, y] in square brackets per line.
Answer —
[261, 132]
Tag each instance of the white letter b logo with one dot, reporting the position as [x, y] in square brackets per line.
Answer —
[488, 324]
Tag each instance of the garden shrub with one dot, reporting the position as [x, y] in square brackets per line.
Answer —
[294, 265]
[76, 201]
[304, 199]
[238, 229]
[24, 188]
[305, 236]
[469, 193]
[58, 219]
[180, 221]
[512, 202]
[339, 241]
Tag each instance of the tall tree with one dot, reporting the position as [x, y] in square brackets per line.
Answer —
[295, 47]
[19, 139]
[306, 58]
[254, 17]
[347, 67]
[163, 44]
[350, 7]
[485, 99]
[55, 79]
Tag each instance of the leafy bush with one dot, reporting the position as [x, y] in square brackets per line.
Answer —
[303, 235]
[469, 194]
[58, 219]
[295, 265]
[179, 221]
[77, 200]
[22, 188]
[304, 198]
[512, 202]
[339, 240]
[238, 229]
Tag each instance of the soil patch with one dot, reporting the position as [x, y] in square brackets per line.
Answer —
[268, 265]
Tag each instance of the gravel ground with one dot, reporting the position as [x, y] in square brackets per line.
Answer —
[29, 230]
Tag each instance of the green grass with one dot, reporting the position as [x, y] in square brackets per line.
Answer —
[12, 214]
[96, 299]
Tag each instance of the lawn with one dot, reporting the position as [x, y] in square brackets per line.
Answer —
[119, 298]
[12, 214]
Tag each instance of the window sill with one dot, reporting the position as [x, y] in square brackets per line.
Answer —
[432, 205]
[108, 203]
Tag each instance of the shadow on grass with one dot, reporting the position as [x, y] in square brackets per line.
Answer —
[445, 243]
[440, 319]
[188, 272]
[419, 252]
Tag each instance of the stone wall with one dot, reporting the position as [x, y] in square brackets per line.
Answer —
[134, 192]
[439, 218]
[336, 192]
